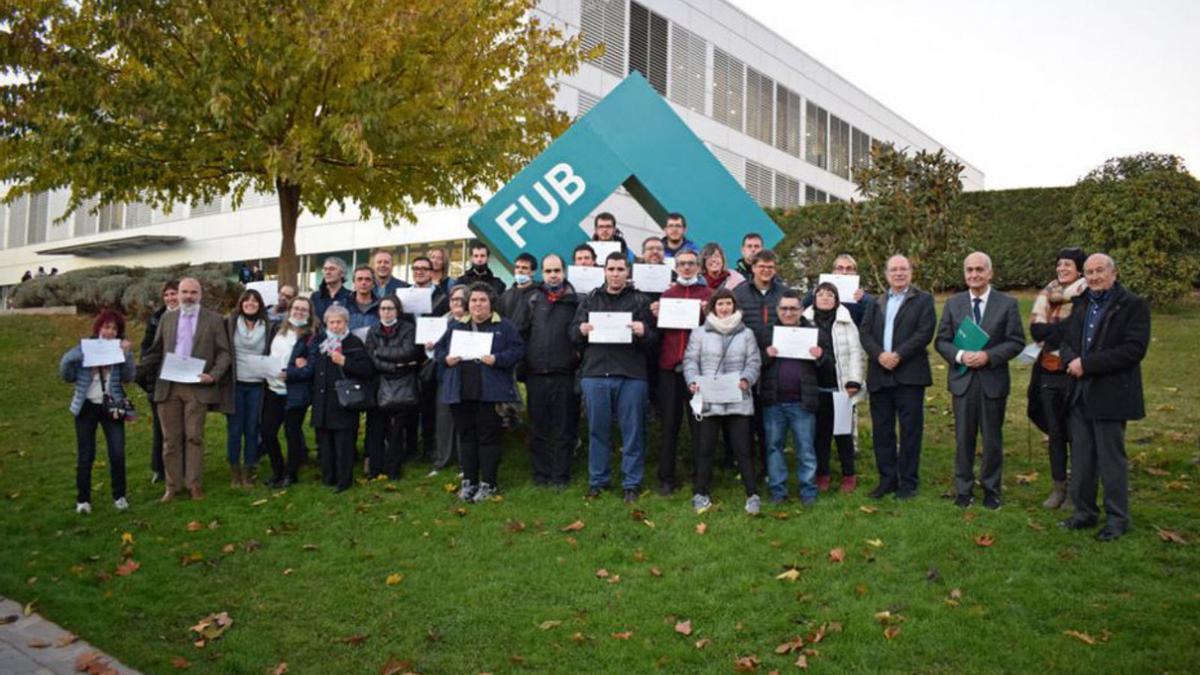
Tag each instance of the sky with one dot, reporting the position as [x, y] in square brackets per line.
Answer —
[1033, 93]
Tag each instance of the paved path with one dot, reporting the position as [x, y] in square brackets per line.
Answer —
[29, 645]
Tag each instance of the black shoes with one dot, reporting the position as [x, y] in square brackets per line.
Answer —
[904, 494]
[631, 496]
[963, 501]
[1073, 524]
[882, 490]
[666, 488]
[991, 502]
[1109, 533]
[594, 492]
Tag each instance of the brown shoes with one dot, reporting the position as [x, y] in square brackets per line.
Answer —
[197, 493]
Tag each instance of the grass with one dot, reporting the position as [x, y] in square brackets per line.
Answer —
[304, 573]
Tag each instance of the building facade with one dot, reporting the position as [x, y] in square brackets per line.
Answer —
[790, 130]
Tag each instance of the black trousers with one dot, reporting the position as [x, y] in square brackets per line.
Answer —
[824, 439]
[425, 419]
[673, 407]
[478, 428]
[1098, 447]
[737, 432]
[92, 415]
[274, 415]
[1052, 396]
[898, 466]
[336, 447]
[550, 397]
[385, 441]
[156, 439]
[977, 415]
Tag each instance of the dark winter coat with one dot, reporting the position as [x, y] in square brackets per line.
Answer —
[545, 327]
[615, 360]
[327, 413]
[498, 383]
[1111, 386]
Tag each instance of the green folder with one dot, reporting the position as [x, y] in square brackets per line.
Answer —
[970, 338]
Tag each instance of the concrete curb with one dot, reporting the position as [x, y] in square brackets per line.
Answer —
[17, 657]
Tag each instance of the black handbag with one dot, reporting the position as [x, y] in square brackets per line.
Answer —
[398, 393]
[352, 394]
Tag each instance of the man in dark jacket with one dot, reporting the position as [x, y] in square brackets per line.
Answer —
[516, 298]
[1103, 345]
[363, 306]
[758, 297]
[382, 263]
[550, 364]
[675, 238]
[846, 264]
[479, 271]
[614, 378]
[332, 290]
[752, 243]
[895, 332]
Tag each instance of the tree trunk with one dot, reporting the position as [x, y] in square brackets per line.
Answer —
[289, 213]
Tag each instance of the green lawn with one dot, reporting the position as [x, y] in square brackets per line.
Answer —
[501, 587]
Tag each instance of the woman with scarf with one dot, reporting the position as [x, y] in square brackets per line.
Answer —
[394, 353]
[250, 334]
[290, 392]
[473, 387]
[712, 260]
[845, 372]
[723, 346]
[99, 401]
[339, 355]
[1049, 384]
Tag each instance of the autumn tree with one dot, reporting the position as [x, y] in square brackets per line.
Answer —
[371, 104]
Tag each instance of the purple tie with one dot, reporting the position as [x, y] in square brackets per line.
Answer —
[187, 331]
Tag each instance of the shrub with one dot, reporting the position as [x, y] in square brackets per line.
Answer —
[132, 290]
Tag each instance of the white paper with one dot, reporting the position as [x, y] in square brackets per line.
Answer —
[416, 300]
[431, 328]
[793, 342]
[603, 249]
[269, 290]
[843, 414]
[610, 327]
[846, 284]
[101, 352]
[1030, 354]
[584, 279]
[361, 332]
[262, 366]
[680, 313]
[469, 345]
[723, 388]
[185, 369]
[651, 278]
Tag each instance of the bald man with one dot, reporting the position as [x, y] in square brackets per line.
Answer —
[1103, 344]
[979, 380]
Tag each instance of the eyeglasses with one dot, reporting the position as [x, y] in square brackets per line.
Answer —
[789, 309]
[686, 263]
[422, 268]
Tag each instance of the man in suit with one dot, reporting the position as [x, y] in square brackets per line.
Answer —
[979, 380]
[1103, 345]
[200, 333]
[896, 330]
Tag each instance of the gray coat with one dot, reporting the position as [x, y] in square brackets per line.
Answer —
[1006, 339]
[71, 369]
[740, 349]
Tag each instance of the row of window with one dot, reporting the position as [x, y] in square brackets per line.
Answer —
[674, 60]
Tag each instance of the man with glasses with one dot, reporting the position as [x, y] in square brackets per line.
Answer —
[604, 228]
[675, 236]
[278, 311]
[423, 272]
[423, 277]
[332, 290]
[846, 264]
[758, 297]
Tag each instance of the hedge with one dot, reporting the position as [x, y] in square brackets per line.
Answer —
[135, 291]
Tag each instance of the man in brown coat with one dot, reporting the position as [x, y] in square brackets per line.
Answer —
[200, 333]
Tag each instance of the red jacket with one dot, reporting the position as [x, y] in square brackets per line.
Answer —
[674, 340]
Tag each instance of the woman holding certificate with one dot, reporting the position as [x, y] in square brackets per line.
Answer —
[720, 366]
[476, 357]
[289, 392]
[250, 336]
[95, 368]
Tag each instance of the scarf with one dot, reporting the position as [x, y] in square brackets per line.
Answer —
[724, 326]
[1053, 303]
[332, 342]
[715, 282]
[251, 334]
[553, 293]
[824, 318]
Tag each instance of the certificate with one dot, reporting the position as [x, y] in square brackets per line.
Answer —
[262, 366]
[470, 345]
[651, 278]
[269, 290]
[101, 352]
[603, 249]
[1030, 354]
[361, 333]
[185, 369]
[793, 342]
[610, 327]
[843, 414]
[416, 300]
[430, 328]
[584, 279]
[681, 313]
[846, 284]
[723, 388]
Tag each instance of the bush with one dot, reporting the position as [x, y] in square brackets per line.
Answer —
[134, 291]
[1022, 230]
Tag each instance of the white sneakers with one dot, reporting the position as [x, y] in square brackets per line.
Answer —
[121, 504]
[753, 505]
[83, 508]
[701, 503]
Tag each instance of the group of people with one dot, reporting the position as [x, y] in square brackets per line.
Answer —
[350, 352]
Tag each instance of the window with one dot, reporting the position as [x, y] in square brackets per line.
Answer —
[204, 208]
[648, 46]
[814, 196]
[758, 183]
[137, 214]
[111, 217]
[39, 217]
[85, 220]
[689, 56]
[760, 105]
[860, 150]
[816, 135]
[787, 191]
[729, 76]
[17, 220]
[586, 101]
[787, 120]
[3, 222]
[602, 22]
[839, 147]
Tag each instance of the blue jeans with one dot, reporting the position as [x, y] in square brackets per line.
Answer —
[779, 419]
[626, 397]
[243, 423]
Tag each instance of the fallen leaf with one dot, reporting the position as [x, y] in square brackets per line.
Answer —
[701, 528]
[516, 660]
[602, 573]
[1038, 527]
[1027, 478]
[702, 643]
[66, 639]
[394, 666]
[791, 574]
[574, 527]
[1156, 472]
[251, 545]
[623, 635]
[868, 509]
[655, 572]
[1170, 536]
[128, 567]
[38, 643]
[802, 662]
[353, 640]
[837, 555]
[195, 526]
[258, 502]
[614, 579]
[639, 556]
[280, 669]
[310, 547]
[288, 572]
[1082, 637]
[684, 627]
[790, 646]
[395, 578]
[126, 538]
[212, 627]
[228, 549]
[933, 575]
[28, 609]
[88, 661]
[875, 543]
[746, 664]
[547, 625]
[180, 663]
[578, 638]
[514, 526]
[891, 632]
[985, 540]
[860, 590]
[956, 594]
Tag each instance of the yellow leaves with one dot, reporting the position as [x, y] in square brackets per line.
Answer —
[394, 579]
[602, 573]
[1170, 536]
[126, 538]
[867, 509]
[746, 664]
[684, 627]
[955, 597]
[790, 574]
[548, 625]
[574, 527]
[837, 555]
[702, 643]
[210, 628]
[623, 635]
[701, 528]
[655, 572]
[795, 644]
[1082, 637]
[1027, 478]
[875, 543]
[450, 487]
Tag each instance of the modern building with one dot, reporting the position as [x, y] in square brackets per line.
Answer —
[788, 128]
